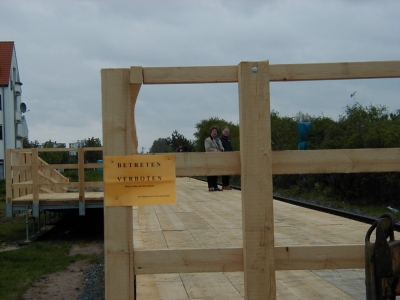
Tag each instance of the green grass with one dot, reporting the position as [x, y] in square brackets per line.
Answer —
[21, 268]
[320, 198]
[90, 175]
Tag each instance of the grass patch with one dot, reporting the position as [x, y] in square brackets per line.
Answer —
[320, 198]
[21, 268]
[11, 229]
[90, 175]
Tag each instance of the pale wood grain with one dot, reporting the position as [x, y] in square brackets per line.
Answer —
[119, 138]
[256, 180]
[278, 72]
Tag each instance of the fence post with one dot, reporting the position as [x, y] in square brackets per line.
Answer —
[35, 183]
[120, 88]
[9, 182]
[81, 179]
[256, 180]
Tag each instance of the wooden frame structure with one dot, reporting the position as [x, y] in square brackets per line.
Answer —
[32, 183]
[255, 162]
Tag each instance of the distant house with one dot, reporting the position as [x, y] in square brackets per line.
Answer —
[77, 144]
[13, 126]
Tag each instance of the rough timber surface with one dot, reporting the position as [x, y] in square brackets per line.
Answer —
[60, 198]
[201, 219]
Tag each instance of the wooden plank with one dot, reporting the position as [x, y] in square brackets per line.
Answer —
[9, 193]
[81, 175]
[294, 162]
[163, 286]
[119, 138]
[188, 260]
[319, 257]
[35, 176]
[209, 286]
[15, 175]
[314, 257]
[339, 70]
[283, 162]
[207, 163]
[256, 180]
[336, 161]
[306, 285]
[278, 72]
[194, 74]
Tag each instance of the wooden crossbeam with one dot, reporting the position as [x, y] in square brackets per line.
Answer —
[294, 162]
[278, 72]
[231, 259]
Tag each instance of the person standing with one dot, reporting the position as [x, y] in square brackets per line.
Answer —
[213, 144]
[227, 144]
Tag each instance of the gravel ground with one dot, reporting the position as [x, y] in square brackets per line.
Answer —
[94, 277]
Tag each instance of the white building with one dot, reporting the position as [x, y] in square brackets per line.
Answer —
[13, 126]
[77, 144]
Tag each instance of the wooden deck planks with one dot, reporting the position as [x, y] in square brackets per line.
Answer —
[213, 220]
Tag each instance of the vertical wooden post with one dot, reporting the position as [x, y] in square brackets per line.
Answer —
[29, 171]
[22, 173]
[81, 179]
[256, 180]
[9, 193]
[16, 173]
[120, 88]
[35, 183]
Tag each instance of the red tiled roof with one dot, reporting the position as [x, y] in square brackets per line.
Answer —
[6, 52]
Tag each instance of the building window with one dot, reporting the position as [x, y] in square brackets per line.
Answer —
[1, 132]
[0, 103]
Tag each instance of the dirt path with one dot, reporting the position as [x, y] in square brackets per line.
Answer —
[64, 285]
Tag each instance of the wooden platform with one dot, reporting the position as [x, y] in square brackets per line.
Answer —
[201, 219]
[60, 199]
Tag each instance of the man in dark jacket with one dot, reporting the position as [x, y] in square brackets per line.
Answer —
[227, 144]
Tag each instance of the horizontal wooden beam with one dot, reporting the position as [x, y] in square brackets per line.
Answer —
[294, 162]
[332, 71]
[29, 184]
[29, 150]
[278, 72]
[231, 259]
[188, 261]
[283, 162]
[207, 163]
[58, 166]
[318, 257]
[336, 161]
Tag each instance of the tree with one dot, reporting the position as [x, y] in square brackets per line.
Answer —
[283, 132]
[177, 139]
[93, 156]
[160, 146]
[27, 144]
[54, 157]
[369, 127]
[203, 128]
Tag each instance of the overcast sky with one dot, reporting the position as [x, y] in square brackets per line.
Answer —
[61, 47]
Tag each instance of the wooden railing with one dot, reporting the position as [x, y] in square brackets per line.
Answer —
[255, 162]
[27, 173]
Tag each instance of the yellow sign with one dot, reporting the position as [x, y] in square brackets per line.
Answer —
[139, 180]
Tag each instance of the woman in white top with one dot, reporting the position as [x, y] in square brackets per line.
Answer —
[213, 144]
